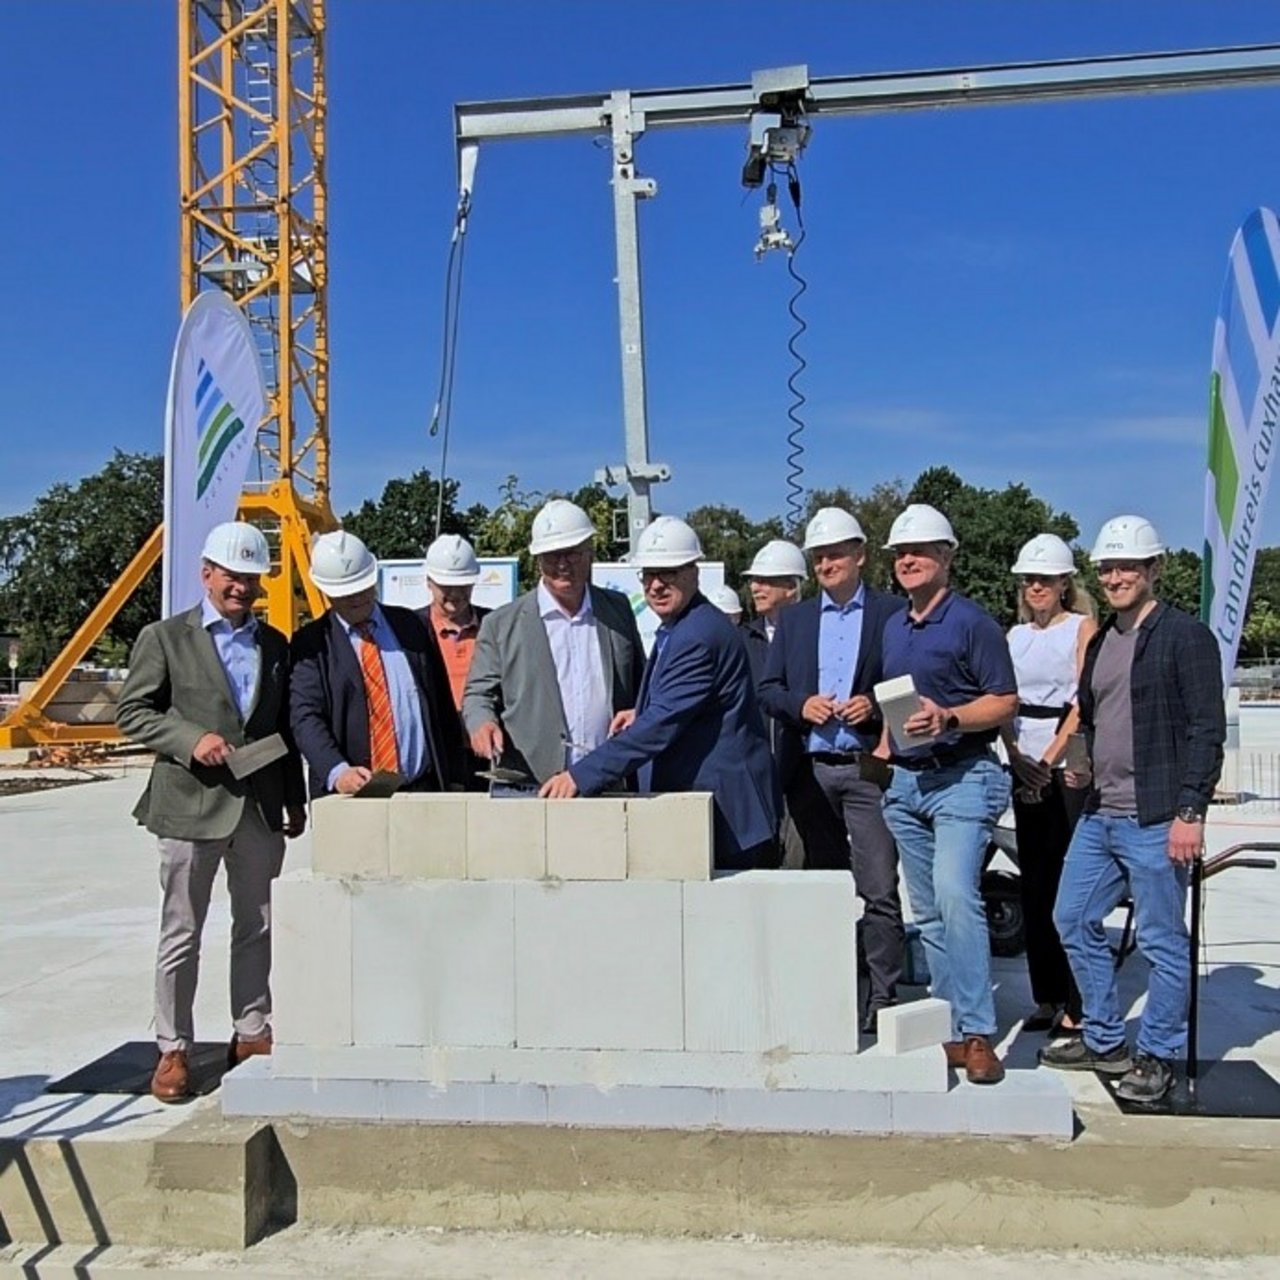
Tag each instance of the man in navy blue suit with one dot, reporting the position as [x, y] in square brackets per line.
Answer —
[369, 689]
[696, 725]
[822, 664]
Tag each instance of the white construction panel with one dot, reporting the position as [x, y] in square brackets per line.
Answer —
[434, 963]
[769, 963]
[598, 966]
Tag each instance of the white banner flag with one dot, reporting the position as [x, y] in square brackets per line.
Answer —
[1244, 410]
[217, 399]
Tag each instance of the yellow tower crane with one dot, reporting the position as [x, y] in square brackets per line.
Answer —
[252, 113]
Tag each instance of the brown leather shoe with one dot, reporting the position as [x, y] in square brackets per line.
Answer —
[981, 1066]
[239, 1049]
[955, 1053]
[170, 1083]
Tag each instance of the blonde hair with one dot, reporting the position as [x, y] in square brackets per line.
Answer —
[1073, 598]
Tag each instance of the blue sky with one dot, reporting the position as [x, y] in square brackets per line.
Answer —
[1022, 293]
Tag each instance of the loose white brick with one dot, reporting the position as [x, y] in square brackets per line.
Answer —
[427, 837]
[1024, 1103]
[349, 836]
[769, 963]
[587, 839]
[904, 1028]
[311, 960]
[669, 837]
[506, 839]
[598, 966]
[434, 963]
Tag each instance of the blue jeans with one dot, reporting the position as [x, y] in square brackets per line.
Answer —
[942, 820]
[1109, 857]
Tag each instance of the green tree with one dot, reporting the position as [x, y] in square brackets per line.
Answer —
[1261, 637]
[1180, 581]
[402, 523]
[58, 559]
[991, 526]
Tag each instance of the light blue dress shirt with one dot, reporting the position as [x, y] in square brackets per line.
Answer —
[238, 652]
[839, 644]
[406, 708]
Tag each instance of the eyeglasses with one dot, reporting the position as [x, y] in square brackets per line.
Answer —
[1126, 568]
[666, 576]
[1040, 579]
[570, 555]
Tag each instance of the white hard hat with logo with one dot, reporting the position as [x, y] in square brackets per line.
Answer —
[831, 525]
[341, 565]
[920, 523]
[1127, 538]
[726, 599]
[451, 561]
[238, 547]
[777, 559]
[559, 526]
[1045, 553]
[668, 543]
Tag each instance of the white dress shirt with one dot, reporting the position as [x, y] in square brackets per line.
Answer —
[575, 650]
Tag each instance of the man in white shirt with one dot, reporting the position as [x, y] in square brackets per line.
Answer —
[553, 668]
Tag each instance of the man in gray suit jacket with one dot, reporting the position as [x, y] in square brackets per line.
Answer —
[201, 686]
[552, 669]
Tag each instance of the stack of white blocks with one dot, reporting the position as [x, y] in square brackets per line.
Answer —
[458, 958]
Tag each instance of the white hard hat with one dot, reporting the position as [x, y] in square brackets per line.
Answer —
[341, 565]
[727, 600]
[667, 543]
[777, 559]
[1045, 553]
[238, 547]
[560, 525]
[1127, 538]
[452, 562]
[921, 523]
[831, 525]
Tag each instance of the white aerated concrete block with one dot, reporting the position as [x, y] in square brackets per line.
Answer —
[434, 963]
[349, 1062]
[769, 963]
[587, 839]
[810, 1111]
[632, 1108]
[427, 837]
[349, 836]
[1024, 1103]
[669, 837]
[486, 1103]
[311, 960]
[928, 1112]
[598, 966]
[506, 839]
[904, 1028]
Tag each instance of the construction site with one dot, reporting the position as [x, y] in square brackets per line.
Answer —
[401, 1142]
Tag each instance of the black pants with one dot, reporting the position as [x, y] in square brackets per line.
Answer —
[1044, 832]
[841, 822]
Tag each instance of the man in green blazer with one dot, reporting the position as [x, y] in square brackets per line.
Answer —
[202, 685]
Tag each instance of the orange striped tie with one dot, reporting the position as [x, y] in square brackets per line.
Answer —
[382, 724]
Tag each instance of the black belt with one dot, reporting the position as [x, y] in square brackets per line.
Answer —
[941, 759]
[1042, 713]
[836, 757]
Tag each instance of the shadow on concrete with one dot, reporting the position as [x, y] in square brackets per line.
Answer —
[17, 1090]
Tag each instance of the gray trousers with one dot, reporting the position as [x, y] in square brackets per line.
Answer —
[253, 856]
[841, 821]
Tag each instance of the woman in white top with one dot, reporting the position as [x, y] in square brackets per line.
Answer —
[1047, 646]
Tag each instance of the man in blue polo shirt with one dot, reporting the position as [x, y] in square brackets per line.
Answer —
[948, 792]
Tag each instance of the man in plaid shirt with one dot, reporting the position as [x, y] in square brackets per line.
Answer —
[1151, 706]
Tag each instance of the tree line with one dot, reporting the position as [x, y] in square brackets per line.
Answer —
[59, 558]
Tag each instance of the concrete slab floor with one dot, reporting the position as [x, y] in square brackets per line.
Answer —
[463, 1255]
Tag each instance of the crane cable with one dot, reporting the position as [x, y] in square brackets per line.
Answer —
[442, 414]
[795, 446]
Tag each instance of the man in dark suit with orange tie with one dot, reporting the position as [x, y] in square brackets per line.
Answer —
[369, 691]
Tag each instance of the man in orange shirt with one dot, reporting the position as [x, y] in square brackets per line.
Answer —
[452, 573]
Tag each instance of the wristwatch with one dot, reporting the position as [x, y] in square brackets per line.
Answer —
[953, 720]
[1190, 813]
